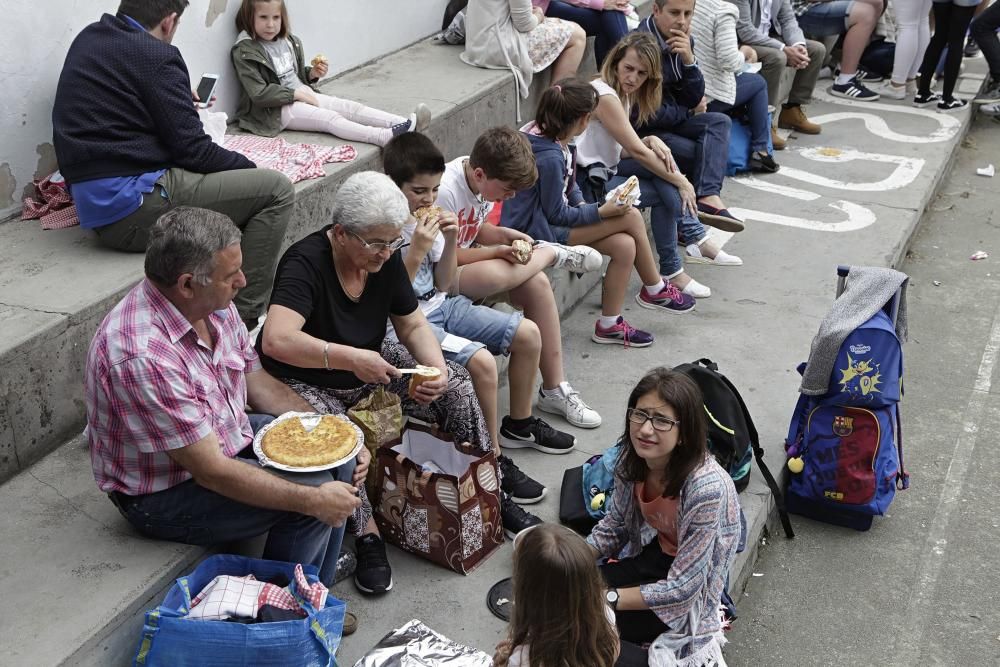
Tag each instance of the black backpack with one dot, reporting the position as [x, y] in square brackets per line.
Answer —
[732, 436]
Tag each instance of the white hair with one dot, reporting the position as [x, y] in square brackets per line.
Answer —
[369, 199]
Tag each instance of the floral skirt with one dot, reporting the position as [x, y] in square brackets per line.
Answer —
[547, 41]
[456, 412]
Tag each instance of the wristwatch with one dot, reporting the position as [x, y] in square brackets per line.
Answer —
[612, 597]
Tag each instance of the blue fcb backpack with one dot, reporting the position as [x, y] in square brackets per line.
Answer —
[844, 448]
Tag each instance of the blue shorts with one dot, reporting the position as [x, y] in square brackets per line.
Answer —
[463, 328]
[824, 19]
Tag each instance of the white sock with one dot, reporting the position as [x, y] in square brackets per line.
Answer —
[555, 390]
[844, 78]
[608, 321]
[653, 290]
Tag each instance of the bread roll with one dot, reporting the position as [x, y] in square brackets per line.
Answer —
[425, 212]
[625, 195]
[522, 250]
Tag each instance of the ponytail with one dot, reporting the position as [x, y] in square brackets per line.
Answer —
[562, 105]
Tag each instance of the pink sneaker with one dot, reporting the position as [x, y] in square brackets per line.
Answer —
[622, 333]
[669, 299]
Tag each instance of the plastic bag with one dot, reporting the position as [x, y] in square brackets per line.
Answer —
[169, 638]
[214, 123]
[380, 417]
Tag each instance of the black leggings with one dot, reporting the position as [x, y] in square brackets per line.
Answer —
[950, 25]
[637, 627]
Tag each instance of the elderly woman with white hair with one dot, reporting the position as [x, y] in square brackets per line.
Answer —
[334, 292]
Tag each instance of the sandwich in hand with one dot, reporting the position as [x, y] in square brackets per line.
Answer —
[320, 58]
[425, 212]
[522, 250]
[627, 193]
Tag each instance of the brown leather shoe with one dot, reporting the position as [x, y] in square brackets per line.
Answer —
[794, 118]
[777, 141]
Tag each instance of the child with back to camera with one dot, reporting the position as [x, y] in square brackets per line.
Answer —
[555, 209]
[276, 85]
[560, 616]
[668, 591]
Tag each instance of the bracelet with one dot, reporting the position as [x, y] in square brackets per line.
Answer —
[326, 356]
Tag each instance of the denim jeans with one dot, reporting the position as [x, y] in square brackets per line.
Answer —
[984, 29]
[192, 514]
[751, 94]
[825, 19]
[607, 26]
[701, 147]
[666, 215]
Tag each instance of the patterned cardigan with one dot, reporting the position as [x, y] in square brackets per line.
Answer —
[709, 529]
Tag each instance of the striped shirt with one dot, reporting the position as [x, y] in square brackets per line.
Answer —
[713, 27]
[153, 386]
[708, 532]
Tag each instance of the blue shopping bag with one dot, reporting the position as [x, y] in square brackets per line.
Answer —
[738, 160]
[168, 638]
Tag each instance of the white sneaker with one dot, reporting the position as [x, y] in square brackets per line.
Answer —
[421, 118]
[722, 258]
[566, 402]
[575, 258]
[886, 89]
[696, 289]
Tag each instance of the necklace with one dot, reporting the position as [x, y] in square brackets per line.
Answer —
[340, 277]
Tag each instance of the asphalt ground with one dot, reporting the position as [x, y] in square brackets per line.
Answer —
[919, 588]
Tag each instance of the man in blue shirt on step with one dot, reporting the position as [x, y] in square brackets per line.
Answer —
[131, 145]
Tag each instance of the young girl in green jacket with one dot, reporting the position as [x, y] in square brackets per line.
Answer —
[276, 85]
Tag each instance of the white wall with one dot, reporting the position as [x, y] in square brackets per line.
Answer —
[36, 34]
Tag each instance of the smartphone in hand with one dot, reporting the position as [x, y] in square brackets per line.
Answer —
[206, 89]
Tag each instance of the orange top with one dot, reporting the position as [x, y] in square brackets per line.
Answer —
[661, 514]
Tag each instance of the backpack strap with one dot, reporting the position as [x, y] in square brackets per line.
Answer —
[710, 365]
[758, 453]
[902, 477]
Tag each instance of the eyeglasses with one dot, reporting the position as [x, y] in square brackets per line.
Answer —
[378, 246]
[639, 418]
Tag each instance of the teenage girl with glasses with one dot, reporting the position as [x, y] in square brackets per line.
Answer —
[668, 590]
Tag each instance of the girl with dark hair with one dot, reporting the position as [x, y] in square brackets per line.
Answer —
[554, 209]
[561, 616]
[674, 526]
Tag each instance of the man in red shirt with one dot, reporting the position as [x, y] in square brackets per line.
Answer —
[169, 375]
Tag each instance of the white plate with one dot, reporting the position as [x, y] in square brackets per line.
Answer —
[304, 416]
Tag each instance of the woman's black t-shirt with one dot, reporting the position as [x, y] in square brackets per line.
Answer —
[307, 283]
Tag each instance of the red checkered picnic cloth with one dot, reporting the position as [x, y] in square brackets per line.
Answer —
[296, 161]
[287, 598]
[56, 209]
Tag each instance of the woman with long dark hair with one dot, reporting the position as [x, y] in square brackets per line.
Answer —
[673, 524]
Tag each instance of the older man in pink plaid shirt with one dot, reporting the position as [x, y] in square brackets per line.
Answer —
[169, 376]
